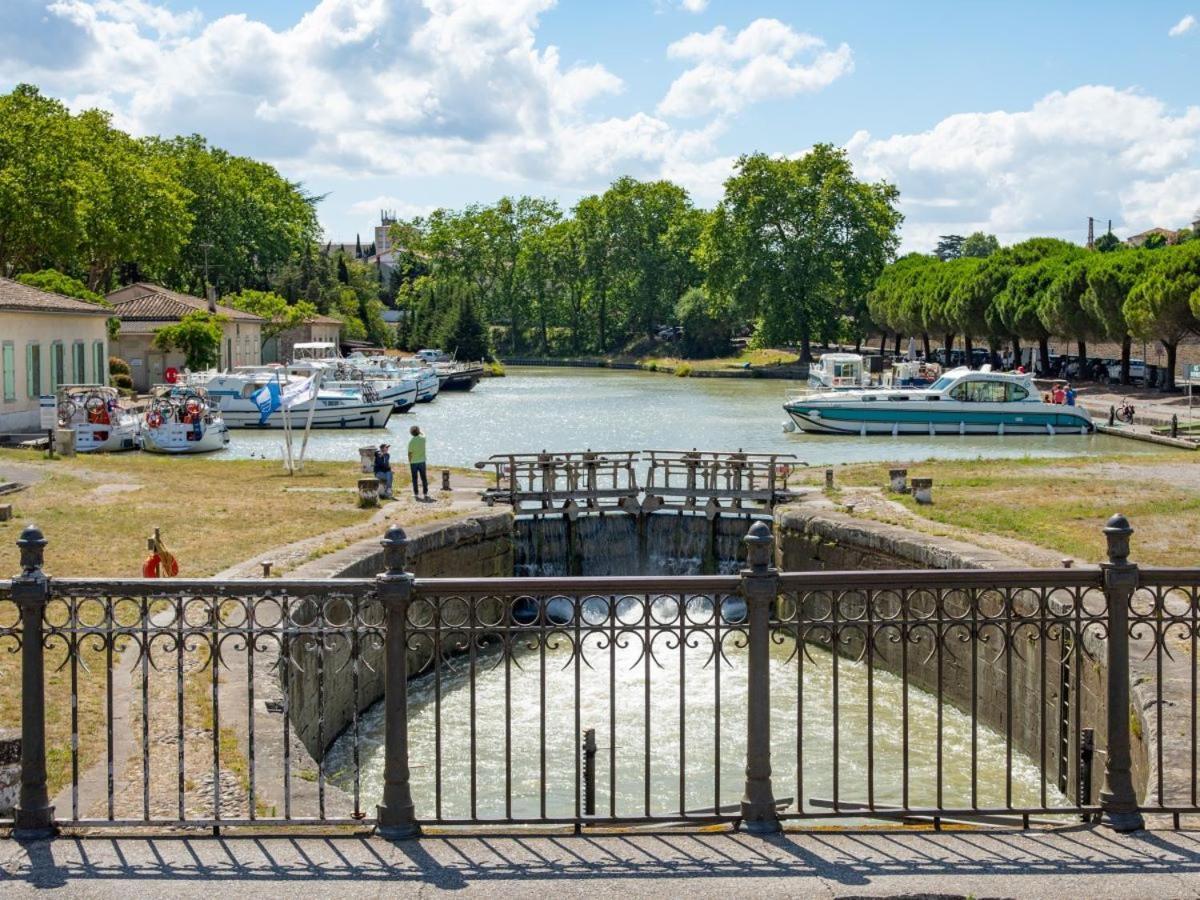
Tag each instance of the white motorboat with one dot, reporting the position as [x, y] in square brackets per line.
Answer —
[233, 393]
[425, 375]
[962, 401]
[838, 372]
[94, 413]
[180, 419]
[914, 373]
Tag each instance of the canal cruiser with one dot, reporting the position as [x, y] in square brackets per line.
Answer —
[93, 412]
[180, 419]
[425, 376]
[341, 374]
[960, 402]
[838, 372]
[233, 393]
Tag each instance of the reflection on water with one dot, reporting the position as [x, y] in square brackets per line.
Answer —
[683, 774]
[573, 409]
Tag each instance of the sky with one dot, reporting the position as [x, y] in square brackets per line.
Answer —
[1015, 117]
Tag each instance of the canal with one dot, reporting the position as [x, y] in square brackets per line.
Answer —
[621, 778]
[573, 409]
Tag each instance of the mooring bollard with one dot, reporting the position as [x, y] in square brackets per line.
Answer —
[266, 568]
[1174, 426]
[922, 490]
[445, 479]
[899, 479]
[368, 492]
[1112, 416]
[366, 460]
[5, 512]
[829, 479]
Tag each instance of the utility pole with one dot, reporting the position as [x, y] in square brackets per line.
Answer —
[1091, 241]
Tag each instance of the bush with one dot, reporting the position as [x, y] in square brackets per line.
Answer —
[707, 324]
[118, 366]
[683, 370]
[122, 380]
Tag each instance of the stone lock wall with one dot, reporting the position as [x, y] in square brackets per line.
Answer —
[811, 537]
[474, 546]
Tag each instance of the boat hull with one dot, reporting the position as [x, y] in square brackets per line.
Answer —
[915, 418]
[177, 438]
[105, 438]
[366, 415]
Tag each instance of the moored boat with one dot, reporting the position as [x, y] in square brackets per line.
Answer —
[838, 372]
[233, 393]
[180, 419]
[962, 401]
[94, 413]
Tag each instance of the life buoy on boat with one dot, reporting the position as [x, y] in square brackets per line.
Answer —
[154, 418]
[171, 374]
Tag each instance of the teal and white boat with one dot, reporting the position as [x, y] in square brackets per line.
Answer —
[962, 401]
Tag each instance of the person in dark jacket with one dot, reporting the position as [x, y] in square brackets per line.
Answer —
[383, 471]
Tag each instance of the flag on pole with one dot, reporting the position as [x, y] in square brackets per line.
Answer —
[267, 400]
[296, 393]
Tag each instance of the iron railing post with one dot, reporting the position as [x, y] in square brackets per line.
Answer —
[396, 815]
[34, 816]
[1118, 800]
[760, 587]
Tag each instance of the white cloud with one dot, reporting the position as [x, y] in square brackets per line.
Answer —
[1094, 151]
[693, 6]
[765, 60]
[390, 87]
[1183, 26]
[403, 209]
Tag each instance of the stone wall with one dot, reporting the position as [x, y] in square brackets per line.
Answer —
[815, 537]
[478, 545]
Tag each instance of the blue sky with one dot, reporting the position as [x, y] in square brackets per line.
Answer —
[1015, 117]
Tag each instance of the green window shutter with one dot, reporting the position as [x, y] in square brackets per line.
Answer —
[9, 354]
[98, 362]
[32, 381]
[79, 363]
[57, 365]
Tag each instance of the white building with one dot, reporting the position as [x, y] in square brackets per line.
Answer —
[45, 340]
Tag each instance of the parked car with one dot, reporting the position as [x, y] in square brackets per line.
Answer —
[1137, 370]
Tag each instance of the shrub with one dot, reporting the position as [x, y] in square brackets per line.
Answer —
[683, 370]
[122, 380]
[118, 366]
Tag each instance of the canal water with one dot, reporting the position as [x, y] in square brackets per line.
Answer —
[622, 788]
[536, 409]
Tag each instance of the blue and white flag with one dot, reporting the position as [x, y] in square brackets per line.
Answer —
[267, 400]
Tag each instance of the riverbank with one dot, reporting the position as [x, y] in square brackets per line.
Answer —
[782, 364]
[1052, 504]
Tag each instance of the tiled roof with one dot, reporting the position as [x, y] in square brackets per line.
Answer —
[17, 296]
[153, 303]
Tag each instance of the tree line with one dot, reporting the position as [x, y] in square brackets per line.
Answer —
[1043, 288]
[793, 249]
[84, 201]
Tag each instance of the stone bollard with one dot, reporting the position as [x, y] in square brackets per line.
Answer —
[64, 440]
[368, 492]
[366, 460]
[10, 769]
[922, 489]
[1174, 426]
[899, 478]
[829, 479]
[5, 512]
[445, 479]
[1112, 416]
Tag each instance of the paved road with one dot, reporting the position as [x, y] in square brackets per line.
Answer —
[1078, 862]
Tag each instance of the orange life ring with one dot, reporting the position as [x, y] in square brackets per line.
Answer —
[155, 567]
[154, 418]
[783, 470]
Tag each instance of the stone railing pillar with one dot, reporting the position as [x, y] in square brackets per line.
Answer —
[760, 587]
[1118, 800]
[396, 815]
[34, 816]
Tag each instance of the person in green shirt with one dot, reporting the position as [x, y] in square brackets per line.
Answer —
[416, 461]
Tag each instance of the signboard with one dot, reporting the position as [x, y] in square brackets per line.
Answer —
[1193, 372]
[48, 411]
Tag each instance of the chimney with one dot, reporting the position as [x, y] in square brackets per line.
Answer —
[212, 298]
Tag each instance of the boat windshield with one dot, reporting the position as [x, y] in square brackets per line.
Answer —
[942, 383]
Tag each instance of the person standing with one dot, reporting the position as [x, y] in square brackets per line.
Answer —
[1070, 395]
[416, 461]
[383, 470]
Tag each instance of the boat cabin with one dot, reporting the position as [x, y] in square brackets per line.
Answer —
[838, 371]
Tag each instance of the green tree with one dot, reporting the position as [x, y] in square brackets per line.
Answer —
[1062, 308]
[465, 336]
[979, 245]
[278, 315]
[1110, 279]
[1159, 306]
[793, 238]
[949, 246]
[707, 323]
[197, 335]
[1154, 241]
[58, 283]
[1108, 242]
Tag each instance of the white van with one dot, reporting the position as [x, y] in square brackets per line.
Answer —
[1137, 370]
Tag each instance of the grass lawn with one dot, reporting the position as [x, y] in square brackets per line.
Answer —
[756, 358]
[96, 513]
[1060, 504]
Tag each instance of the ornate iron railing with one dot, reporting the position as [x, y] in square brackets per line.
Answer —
[752, 698]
